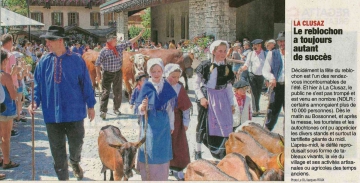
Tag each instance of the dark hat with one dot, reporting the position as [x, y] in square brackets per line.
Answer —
[257, 41]
[110, 36]
[281, 36]
[55, 32]
[240, 84]
[138, 77]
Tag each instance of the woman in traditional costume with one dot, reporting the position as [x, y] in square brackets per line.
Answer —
[157, 98]
[213, 89]
[180, 147]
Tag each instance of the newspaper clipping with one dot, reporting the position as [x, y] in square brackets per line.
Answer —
[321, 91]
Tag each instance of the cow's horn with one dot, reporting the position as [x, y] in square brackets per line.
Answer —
[132, 58]
[140, 142]
[146, 57]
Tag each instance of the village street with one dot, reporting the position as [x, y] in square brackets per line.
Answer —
[90, 162]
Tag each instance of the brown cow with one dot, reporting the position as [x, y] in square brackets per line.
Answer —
[273, 142]
[116, 153]
[203, 170]
[168, 56]
[243, 143]
[90, 58]
[235, 165]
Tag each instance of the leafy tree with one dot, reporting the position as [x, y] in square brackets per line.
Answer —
[146, 22]
[134, 31]
[18, 6]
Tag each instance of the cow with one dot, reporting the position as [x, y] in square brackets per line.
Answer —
[270, 140]
[128, 70]
[244, 144]
[139, 60]
[90, 58]
[116, 153]
[203, 170]
[243, 169]
[168, 56]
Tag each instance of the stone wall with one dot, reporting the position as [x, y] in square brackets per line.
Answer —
[256, 20]
[160, 20]
[213, 17]
[122, 25]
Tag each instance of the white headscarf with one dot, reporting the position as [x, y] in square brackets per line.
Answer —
[154, 61]
[169, 68]
[215, 44]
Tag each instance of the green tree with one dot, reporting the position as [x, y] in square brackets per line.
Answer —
[134, 31]
[18, 6]
[146, 22]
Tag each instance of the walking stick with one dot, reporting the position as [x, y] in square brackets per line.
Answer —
[145, 150]
[267, 109]
[33, 131]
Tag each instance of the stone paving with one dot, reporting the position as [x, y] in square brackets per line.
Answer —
[21, 146]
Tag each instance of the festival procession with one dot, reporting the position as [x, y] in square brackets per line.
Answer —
[187, 90]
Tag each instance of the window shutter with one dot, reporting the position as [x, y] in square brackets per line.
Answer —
[91, 19]
[69, 19]
[42, 17]
[62, 19]
[52, 19]
[106, 19]
[77, 19]
[99, 18]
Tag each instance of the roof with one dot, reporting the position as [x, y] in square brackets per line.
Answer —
[102, 32]
[130, 5]
[66, 2]
[10, 18]
[92, 32]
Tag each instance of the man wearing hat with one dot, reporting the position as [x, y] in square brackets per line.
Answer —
[243, 109]
[78, 49]
[254, 64]
[274, 71]
[63, 89]
[110, 58]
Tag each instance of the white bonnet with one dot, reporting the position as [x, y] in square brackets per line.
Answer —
[169, 68]
[154, 61]
[217, 43]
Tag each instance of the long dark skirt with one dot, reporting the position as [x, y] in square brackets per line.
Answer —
[215, 144]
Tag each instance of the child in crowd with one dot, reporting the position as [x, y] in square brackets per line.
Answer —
[157, 99]
[213, 90]
[243, 104]
[140, 80]
[180, 147]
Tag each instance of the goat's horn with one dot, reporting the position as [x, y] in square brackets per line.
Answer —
[140, 142]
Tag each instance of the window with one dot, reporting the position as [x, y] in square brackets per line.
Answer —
[172, 26]
[183, 27]
[108, 17]
[38, 16]
[167, 25]
[73, 19]
[57, 18]
[95, 19]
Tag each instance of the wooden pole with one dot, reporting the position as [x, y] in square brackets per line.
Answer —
[33, 132]
[145, 150]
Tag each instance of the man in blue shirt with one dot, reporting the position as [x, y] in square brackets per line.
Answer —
[78, 48]
[64, 91]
